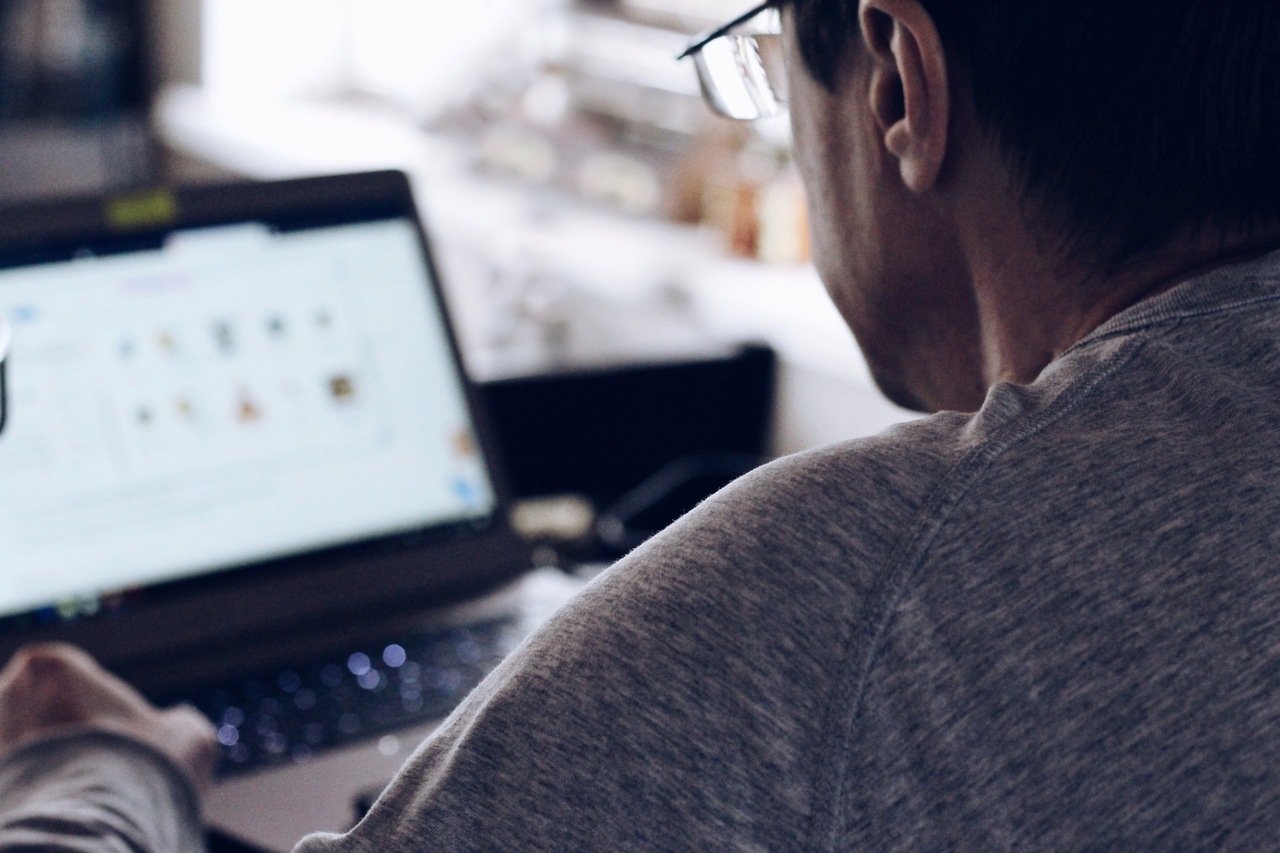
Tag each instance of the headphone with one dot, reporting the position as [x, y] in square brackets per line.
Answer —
[5, 337]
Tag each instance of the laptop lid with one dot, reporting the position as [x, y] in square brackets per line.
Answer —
[234, 413]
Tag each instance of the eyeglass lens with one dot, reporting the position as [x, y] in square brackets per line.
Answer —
[743, 76]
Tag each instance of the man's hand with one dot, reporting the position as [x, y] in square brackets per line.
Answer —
[50, 688]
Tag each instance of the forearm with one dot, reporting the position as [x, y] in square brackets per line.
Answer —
[95, 791]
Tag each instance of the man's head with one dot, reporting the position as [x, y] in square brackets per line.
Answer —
[1120, 128]
[1128, 121]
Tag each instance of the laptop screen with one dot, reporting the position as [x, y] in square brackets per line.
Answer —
[213, 397]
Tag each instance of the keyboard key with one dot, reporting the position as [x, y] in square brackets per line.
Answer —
[290, 713]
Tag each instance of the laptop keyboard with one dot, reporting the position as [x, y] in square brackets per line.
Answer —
[289, 714]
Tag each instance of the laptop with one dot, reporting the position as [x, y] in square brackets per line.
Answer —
[243, 467]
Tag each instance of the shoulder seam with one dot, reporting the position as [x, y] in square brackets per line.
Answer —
[845, 705]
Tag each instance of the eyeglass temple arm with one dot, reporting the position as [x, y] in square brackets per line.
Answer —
[4, 362]
[701, 41]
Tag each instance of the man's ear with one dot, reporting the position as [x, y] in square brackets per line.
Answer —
[910, 96]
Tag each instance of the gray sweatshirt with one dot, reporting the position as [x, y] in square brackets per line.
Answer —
[1052, 624]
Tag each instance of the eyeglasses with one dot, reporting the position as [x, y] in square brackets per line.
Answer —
[740, 65]
[4, 357]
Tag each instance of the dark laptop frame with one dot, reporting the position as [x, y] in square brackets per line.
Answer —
[185, 629]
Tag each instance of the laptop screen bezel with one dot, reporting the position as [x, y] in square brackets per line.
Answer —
[362, 580]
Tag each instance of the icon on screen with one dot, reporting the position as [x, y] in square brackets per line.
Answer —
[464, 444]
[342, 387]
[248, 409]
[466, 491]
[224, 335]
[277, 328]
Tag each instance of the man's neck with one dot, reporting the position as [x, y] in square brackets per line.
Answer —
[1033, 306]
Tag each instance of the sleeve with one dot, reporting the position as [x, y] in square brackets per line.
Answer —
[95, 791]
[677, 703]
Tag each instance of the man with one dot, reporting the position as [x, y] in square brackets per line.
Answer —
[1048, 623]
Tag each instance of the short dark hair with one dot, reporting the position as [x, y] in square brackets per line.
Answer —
[1127, 122]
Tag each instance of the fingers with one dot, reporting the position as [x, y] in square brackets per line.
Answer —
[37, 691]
[195, 744]
[43, 662]
[53, 686]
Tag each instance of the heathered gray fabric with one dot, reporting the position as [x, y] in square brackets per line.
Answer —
[1054, 624]
[93, 792]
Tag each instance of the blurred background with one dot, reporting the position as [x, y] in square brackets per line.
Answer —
[629, 274]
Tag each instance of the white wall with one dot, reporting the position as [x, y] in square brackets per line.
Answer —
[415, 52]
